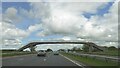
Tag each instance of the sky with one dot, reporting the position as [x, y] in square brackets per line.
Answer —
[23, 22]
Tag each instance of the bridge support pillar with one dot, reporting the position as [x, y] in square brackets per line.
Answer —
[90, 48]
[32, 49]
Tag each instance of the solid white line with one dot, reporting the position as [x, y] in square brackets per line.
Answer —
[72, 61]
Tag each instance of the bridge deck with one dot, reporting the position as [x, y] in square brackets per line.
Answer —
[31, 44]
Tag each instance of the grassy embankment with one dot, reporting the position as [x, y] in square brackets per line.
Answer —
[13, 53]
[91, 61]
[106, 52]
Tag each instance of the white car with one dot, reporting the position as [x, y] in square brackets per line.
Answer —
[56, 53]
[41, 53]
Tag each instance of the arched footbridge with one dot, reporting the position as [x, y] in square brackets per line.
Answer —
[32, 44]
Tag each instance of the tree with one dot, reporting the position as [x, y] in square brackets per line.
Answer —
[85, 48]
[69, 50]
[49, 50]
[61, 50]
[79, 49]
[112, 48]
[74, 48]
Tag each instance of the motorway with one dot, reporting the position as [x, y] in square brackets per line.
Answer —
[33, 60]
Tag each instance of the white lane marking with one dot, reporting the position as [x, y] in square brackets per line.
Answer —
[72, 61]
[45, 59]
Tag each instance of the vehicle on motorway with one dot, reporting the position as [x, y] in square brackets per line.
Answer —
[56, 53]
[41, 53]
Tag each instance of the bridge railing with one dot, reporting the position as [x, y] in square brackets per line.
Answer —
[57, 41]
[32, 44]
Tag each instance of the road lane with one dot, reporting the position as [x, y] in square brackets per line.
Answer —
[33, 60]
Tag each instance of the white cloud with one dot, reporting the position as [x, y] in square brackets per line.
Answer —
[66, 38]
[108, 25]
[67, 19]
[12, 12]
[10, 31]
[11, 15]
[56, 46]
[35, 27]
[10, 35]
[63, 18]
[70, 0]
[15, 42]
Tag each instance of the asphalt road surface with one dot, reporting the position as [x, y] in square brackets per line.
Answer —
[33, 60]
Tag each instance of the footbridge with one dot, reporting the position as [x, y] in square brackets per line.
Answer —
[32, 44]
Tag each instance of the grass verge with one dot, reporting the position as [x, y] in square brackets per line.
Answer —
[106, 52]
[15, 54]
[90, 61]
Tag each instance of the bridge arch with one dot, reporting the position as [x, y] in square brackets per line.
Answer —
[32, 44]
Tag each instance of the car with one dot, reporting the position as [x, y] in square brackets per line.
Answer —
[41, 53]
[56, 53]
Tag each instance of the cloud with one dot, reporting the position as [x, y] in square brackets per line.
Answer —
[35, 27]
[15, 42]
[108, 24]
[11, 14]
[68, 19]
[39, 10]
[10, 35]
[10, 31]
[56, 46]
[70, 0]
[65, 18]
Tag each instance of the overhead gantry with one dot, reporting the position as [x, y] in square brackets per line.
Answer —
[32, 44]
